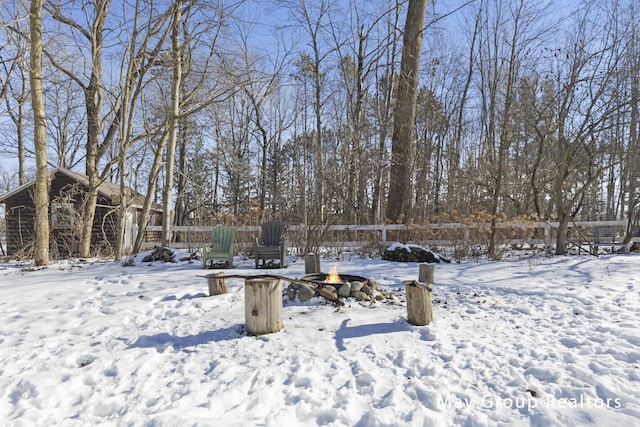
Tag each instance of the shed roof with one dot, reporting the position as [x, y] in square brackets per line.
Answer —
[108, 190]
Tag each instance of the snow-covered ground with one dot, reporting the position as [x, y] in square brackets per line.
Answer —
[525, 341]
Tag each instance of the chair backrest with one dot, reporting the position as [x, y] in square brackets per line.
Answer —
[272, 232]
[222, 237]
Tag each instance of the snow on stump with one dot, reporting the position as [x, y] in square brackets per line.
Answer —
[312, 264]
[419, 309]
[262, 306]
[217, 284]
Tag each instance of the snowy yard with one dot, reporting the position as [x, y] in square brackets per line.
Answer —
[525, 341]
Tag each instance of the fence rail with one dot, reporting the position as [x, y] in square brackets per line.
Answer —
[462, 235]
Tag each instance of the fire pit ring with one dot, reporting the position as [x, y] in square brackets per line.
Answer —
[358, 287]
[322, 277]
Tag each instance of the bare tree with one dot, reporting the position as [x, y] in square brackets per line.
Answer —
[312, 17]
[197, 90]
[174, 116]
[632, 168]
[97, 144]
[399, 197]
[8, 62]
[361, 45]
[41, 198]
[14, 84]
[65, 120]
[584, 108]
[383, 103]
[260, 77]
[459, 125]
[18, 89]
[500, 63]
[143, 50]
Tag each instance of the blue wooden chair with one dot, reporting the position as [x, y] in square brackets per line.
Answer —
[221, 247]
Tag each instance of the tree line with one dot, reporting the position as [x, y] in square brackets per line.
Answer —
[242, 111]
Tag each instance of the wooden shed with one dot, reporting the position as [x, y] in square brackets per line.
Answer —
[66, 193]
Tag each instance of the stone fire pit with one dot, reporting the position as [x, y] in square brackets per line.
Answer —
[349, 286]
[327, 285]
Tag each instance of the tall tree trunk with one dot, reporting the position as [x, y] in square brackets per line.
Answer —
[359, 204]
[152, 184]
[313, 27]
[22, 158]
[121, 221]
[125, 137]
[41, 199]
[264, 160]
[384, 115]
[633, 158]
[183, 170]
[176, 83]
[93, 105]
[561, 239]
[141, 57]
[505, 130]
[453, 169]
[318, 144]
[19, 117]
[399, 198]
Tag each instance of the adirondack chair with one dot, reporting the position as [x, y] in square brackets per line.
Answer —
[272, 244]
[222, 246]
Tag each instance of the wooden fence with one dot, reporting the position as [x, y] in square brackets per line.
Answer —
[452, 237]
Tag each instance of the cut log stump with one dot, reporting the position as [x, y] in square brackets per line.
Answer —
[426, 273]
[419, 309]
[312, 264]
[263, 306]
[217, 284]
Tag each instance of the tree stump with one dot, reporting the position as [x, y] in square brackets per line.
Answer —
[419, 309]
[263, 306]
[426, 273]
[217, 284]
[311, 264]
